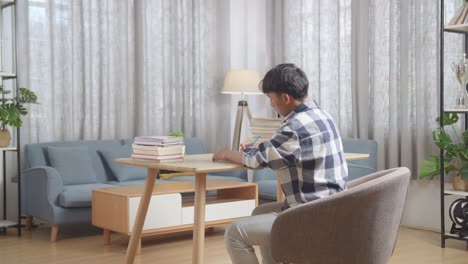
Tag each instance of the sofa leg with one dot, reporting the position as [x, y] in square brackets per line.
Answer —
[29, 221]
[107, 235]
[54, 233]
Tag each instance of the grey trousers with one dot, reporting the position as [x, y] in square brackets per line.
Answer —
[246, 232]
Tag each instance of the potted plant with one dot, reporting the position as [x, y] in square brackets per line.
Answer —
[455, 154]
[11, 110]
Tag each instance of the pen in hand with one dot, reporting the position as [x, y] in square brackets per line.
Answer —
[255, 141]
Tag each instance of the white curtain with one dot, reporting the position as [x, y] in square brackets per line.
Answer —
[396, 76]
[316, 36]
[373, 64]
[115, 69]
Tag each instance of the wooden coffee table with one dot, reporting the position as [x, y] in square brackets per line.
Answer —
[171, 207]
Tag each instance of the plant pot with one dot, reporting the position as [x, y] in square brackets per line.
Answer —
[5, 138]
[459, 184]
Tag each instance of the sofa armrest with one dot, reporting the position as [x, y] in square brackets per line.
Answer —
[42, 186]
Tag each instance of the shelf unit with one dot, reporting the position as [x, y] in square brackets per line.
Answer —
[5, 75]
[444, 191]
[7, 223]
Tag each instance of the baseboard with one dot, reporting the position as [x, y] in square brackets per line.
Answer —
[422, 228]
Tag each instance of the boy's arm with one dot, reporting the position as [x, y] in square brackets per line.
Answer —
[228, 155]
[283, 150]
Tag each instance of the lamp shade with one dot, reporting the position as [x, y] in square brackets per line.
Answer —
[241, 82]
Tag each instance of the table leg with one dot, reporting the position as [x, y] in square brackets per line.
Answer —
[141, 216]
[279, 191]
[199, 219]
[107, 235]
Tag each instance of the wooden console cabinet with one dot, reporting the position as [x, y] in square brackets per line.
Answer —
[171, 206]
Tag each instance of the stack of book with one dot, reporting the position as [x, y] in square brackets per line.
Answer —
[461, 16]
[159, 148]
[263, 128]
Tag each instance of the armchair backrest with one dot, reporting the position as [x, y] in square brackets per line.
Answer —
[358, 225]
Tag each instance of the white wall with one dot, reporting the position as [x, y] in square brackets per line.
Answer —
[422, 209]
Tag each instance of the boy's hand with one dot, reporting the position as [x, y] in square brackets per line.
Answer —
[220, 155]
[228, 155]
[245, 145]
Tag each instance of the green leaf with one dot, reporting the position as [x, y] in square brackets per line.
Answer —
[441, 138]
[176, 134]
[11, 109]
[449, 119]
[429, 168]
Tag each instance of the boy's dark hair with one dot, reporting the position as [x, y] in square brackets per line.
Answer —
[286, 78]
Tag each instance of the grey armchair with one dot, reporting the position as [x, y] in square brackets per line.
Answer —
[359, 225]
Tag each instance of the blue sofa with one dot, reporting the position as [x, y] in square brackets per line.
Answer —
[59, 176]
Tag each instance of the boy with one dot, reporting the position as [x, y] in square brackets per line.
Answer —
[306, 153]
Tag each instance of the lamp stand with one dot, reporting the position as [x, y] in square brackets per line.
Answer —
[238, 125]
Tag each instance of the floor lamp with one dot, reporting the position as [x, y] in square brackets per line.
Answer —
[241, 82]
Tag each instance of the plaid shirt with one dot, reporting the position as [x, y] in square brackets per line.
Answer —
[307, 154]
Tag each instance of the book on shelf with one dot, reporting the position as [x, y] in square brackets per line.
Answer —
[265, 122]
[262, 133]
[159, 139]
[268, 129]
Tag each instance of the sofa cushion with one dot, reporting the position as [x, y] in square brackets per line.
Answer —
[79, 195]
[73, 163]
[120, 171]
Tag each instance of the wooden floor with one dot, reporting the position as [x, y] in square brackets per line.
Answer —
[84, 245]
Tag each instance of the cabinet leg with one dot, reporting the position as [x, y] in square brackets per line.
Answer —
[107, 235]
[29, 221]
[54, 233]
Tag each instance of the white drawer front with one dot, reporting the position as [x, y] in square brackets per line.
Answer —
[220, 211]
[163, 211]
